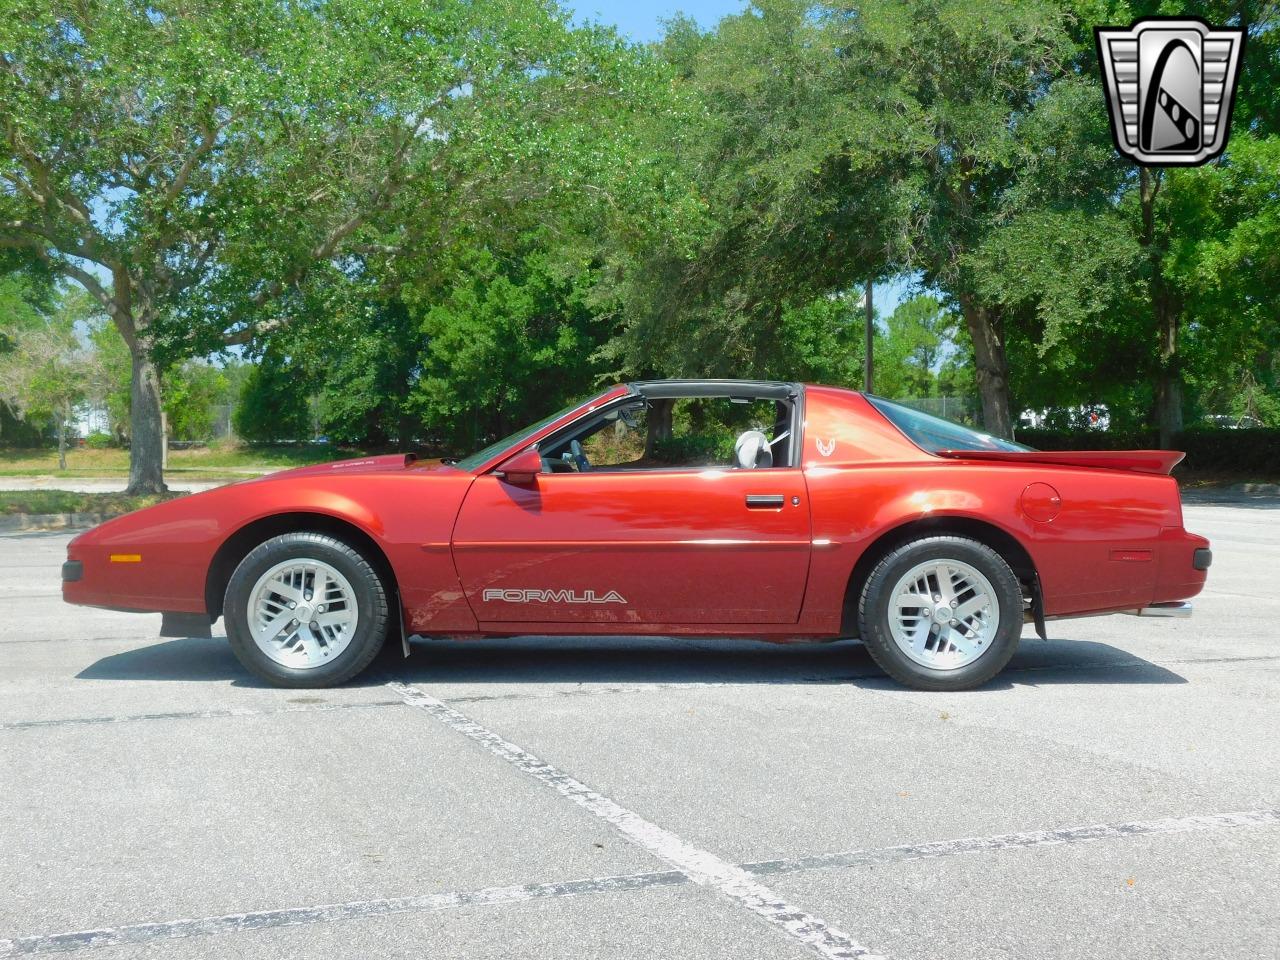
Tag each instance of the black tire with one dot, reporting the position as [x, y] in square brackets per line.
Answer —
[874, 610]
[371, 603]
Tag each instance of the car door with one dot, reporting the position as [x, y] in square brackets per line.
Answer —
[657, 546]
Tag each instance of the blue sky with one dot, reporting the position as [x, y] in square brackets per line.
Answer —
[641, 20]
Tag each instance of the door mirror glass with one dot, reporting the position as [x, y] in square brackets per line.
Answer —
[520, 468]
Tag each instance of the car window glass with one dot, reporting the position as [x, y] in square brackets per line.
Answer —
[933, 433]
[480, 456]
[672, 434]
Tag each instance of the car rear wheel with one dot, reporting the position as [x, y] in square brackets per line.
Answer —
[305, 610]
[941, 613]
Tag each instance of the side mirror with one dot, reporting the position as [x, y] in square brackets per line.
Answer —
[520, 468]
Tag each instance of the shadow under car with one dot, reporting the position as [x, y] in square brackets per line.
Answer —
[635, 660]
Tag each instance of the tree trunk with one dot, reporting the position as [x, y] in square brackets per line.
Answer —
[62, 442]
[146, 432]
[658, 426]
[1166, 309]
[406, 427]
[1169, 406]
[986, 329]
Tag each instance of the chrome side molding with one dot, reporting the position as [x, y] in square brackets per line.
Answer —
[1179, 608]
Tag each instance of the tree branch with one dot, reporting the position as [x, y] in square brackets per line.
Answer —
[18, 240]
[179, 182]
[44, 194]
[90, 283]
[382, 195]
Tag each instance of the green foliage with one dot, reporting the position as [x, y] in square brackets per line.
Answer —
[192, 393]
[98, 441]
[65, 501]
[820, 341]
[919, 353]
[45, 371]
[431, 222]
[712, 447]
[510, 339]
[23, 299]
[319, 119]
[216, 158]
[1255, 452]
[192, 390]
[783, 188]
[274, 404]
[111, 388]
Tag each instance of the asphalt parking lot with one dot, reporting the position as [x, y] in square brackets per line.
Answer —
[1116, 793]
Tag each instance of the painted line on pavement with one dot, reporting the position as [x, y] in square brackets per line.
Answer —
[700, 866]
[211, 714]
[120, 639]
[356, 910]
[1019, 841]
[592, 691]
[497, 896]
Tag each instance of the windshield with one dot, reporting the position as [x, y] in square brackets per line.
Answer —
[934, 434]
[480, 456]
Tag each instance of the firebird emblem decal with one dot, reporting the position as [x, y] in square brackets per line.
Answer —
[826, 447]
[552, 596]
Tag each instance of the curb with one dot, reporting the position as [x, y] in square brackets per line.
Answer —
[23, 522]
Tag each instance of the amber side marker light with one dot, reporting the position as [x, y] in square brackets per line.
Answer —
[126, 558]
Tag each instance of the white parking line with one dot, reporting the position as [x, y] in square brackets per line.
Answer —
[211, 714]
[327, 913]
[1019, 841]
[700, 866]
[498, 896]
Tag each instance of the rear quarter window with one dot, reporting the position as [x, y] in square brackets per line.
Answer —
[935, 434]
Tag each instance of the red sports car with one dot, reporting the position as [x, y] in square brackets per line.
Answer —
[833, 514]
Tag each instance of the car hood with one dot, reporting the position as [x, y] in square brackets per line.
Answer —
[385, 463]
[225, 504]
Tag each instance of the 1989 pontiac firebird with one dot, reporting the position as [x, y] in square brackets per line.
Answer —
[838, 514]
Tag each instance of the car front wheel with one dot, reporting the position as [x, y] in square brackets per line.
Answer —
[941, 613]
[305, 610]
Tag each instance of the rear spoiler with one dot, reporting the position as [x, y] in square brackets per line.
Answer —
[1135, 461]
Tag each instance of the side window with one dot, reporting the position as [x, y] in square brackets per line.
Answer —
[619, 442]
[682, 433]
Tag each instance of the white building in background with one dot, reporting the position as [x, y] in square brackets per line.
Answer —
[1085, 417]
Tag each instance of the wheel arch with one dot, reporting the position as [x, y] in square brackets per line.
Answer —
[238, 546]
[998, 539]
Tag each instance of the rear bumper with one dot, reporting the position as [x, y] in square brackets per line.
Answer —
[1178, 609]
[1184, 561]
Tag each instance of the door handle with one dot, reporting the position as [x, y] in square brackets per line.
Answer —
[764, 501]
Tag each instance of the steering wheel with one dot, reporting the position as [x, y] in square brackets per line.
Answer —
[580, 458]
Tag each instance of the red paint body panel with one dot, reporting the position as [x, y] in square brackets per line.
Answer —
[680, 546]
[1139, 461]
[676, 551]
